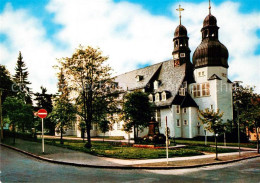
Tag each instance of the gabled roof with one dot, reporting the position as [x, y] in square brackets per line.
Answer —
[213, 77]
[170, 78]
[184, 101]
[127, 81]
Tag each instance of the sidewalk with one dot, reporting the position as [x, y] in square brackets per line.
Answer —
[74, 157]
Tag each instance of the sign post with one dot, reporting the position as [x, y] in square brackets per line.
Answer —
[166, 133]
[42, 113]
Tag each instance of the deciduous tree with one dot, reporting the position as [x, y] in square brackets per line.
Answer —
[137, 112]
[213, 123]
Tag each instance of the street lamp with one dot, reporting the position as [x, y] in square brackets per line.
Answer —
[236, 102]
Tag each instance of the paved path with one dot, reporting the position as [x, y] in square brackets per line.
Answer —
[17, 167]
[66, 155]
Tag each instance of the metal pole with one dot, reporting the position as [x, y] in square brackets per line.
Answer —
[1, 118]
[167, 140]
[42, 137]
[238, 128]
[205, 137]
[225, 144]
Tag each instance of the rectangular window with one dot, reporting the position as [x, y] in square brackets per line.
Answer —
[182, 92]
[185, 122]
[178, 108]
[201, 90]
[178, 123]
[198, 90]
[184, 110]
[194, 90]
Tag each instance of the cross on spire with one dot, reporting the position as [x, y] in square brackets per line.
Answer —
[209, 8]
[180, 10]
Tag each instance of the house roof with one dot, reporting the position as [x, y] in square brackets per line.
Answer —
[170, 78]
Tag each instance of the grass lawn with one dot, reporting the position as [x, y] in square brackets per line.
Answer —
[114, 150]
[194, 142]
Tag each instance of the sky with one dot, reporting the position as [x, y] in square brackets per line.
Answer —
[133, 33]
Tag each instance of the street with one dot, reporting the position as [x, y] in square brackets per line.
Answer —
[17, 167]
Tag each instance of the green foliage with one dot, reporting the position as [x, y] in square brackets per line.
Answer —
[6, 83]
[91, 80]
[212, 120]
[19, 113]
[44, 101]
[63, 113]
[21, 80]
[137, 111]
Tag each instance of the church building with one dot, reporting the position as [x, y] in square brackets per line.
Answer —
[179, 87]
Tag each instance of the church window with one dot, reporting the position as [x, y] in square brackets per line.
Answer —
[182, 55]
[194, 90]
[202, 73]
[150, 97]
[201, 90]
[184, 110]
[185, 122]
[198, 130]
[211, 107]
[178, 108]
[199, 73]
[158, 116]
[198, 91]
[178, 123]
[157, 97]
[163, 96]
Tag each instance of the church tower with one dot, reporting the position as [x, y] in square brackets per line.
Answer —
[213, 89]
[181, 51]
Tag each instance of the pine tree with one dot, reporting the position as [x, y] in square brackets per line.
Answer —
[21, 80]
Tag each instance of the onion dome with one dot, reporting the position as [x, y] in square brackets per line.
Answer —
[180, 31]
[210, 52]
[209, 20]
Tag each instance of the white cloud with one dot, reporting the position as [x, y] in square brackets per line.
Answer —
[126, 32]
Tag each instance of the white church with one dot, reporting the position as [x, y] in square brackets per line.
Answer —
[179, 88]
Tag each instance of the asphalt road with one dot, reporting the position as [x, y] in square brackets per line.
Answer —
[17, 167]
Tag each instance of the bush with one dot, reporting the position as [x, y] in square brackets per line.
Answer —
[25, 136]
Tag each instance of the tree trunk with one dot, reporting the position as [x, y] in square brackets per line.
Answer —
[134, 133]
[257, 138]
[13, 134]
[103, 137]
[88, 144]
[216, 143]
[61, 135]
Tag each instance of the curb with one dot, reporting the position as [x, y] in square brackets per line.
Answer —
[126, 166]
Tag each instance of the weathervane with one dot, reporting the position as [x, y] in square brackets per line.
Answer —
[180, 10]
[209, 8]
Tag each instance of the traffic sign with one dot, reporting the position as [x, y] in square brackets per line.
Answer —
[42, 113]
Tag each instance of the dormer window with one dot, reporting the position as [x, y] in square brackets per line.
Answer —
[156, 84]
[164, 97]
[157, 97]
[150, 97]
[139, 78]
[182, 91]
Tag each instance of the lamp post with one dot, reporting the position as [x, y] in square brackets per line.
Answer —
[236, 102]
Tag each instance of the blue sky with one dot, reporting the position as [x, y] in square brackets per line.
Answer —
[134, 33]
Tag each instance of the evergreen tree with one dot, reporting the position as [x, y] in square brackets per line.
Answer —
[63, 113]
[44, 101]
[21, 80]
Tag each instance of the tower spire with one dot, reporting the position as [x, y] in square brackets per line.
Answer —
[180, 10]
[209, 8]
